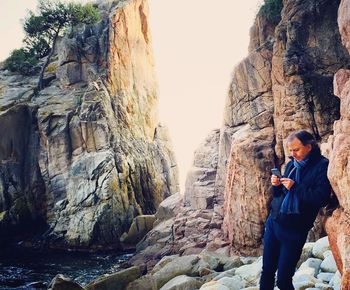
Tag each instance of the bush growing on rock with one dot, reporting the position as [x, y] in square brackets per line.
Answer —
[22, 61]
[271, 9]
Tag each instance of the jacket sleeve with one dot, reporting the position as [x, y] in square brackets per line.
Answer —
[318, 194]
[277, 190]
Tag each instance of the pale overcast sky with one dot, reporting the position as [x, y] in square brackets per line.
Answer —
[196, 45]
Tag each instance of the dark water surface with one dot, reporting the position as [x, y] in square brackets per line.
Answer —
[18, 268]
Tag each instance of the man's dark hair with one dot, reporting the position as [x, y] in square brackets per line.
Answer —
[305, 138]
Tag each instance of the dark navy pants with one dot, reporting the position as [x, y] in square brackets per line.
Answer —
[282, 250]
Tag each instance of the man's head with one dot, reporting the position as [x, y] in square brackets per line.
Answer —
[300, 144]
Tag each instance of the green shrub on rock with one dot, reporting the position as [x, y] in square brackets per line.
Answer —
[22, 61]
[271, 9]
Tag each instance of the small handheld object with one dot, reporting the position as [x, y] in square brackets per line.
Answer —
[276, 172]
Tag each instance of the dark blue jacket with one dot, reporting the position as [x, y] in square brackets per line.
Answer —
[313, 192]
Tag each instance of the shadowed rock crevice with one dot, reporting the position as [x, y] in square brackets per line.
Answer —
[22, 190]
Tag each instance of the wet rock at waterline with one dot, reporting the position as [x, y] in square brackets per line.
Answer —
[61, 282]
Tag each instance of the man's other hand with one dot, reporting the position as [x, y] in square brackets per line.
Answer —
[287, 182]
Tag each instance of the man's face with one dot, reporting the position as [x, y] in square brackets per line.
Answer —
[298, 150]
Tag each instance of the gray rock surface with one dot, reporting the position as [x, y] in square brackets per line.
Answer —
[207, 269]
[140, 226]
[328, 264]
[87, 154]
[251, 272]
[233, 283]
[325, 277]
[180, 266]
[146, 282]
[311, 266]
[214, 285]
[116, 281]
[306, 253]
[336, 281]
[320, 247]
[200, 180]
[168, 207]
[182, 282]
[60, 282]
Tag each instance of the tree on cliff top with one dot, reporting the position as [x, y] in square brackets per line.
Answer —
[51, 20]
[53, 17]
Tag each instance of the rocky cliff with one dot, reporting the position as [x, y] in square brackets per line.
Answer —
[87, 154]
[285, 84]
[338, 226]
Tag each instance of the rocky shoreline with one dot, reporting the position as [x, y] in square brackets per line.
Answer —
[214, 271]
[168, 260]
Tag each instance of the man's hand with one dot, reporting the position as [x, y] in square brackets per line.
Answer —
[275, 181]
[287, 182]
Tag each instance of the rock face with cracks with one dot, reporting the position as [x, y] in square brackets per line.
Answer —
[87, 154]
[338, 226]
[285, 84]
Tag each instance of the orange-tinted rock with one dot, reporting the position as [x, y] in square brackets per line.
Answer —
[246, 152]
[247, 189]
[261, 32]
[338, 225]
[338, 230]
[344, 22]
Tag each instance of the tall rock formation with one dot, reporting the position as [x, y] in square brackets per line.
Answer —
[248, 114]
[338, 225]
[283, 85]
[86, 155]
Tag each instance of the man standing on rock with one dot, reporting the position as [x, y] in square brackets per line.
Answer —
[297, 197]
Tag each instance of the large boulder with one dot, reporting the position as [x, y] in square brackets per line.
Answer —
[247, 188]
[185, 265]
[182, 282]
[146, 282]
[116, 281]
[169, 207]
[60, 282]
[251, 272]
[320, 247]
[141, 225]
